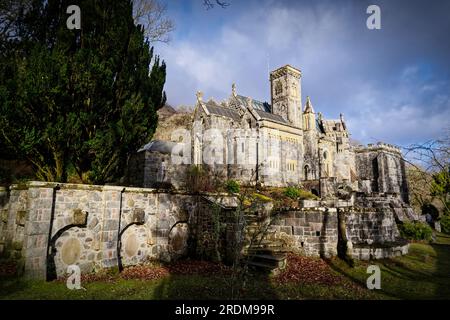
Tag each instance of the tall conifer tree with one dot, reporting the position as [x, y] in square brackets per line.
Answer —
[82, 100]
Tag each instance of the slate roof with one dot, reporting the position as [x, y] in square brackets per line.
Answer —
[263, 110]
[216, 109]
[332, 126]
[258, 105]
[159, 146]
[271, 116]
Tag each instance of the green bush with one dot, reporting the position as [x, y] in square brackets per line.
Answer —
[445, 224]
[416, 231]
[232, 186]
[296, 193]
[292, 192]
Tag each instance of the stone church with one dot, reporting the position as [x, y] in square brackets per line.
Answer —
[281, 143]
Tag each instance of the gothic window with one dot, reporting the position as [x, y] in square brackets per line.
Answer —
[306, 171]
[278, 88]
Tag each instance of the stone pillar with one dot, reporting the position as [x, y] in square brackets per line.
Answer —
[37, 228]
[110, 228]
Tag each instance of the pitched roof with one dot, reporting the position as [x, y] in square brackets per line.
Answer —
[270, 116]
[258, 105]
[332, 125]
[159, 146]
[219, 110]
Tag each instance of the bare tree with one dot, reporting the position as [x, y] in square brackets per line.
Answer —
[431, 159]
[151, 14]
[10, 12]
[210, 4]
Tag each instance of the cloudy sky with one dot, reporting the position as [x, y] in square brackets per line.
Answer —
[391, 84]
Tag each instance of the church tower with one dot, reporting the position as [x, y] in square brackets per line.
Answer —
[285, 84]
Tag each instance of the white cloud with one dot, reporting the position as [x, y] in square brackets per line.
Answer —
[341, 65]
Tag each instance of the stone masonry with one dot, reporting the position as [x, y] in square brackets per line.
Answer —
[47, 226]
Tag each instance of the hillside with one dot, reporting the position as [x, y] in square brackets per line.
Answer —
[170, 120]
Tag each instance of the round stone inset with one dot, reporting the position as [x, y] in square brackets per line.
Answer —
[71, 251]
[131, 245]
[178, 238]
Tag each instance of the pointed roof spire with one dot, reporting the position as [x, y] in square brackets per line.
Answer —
[308, 106]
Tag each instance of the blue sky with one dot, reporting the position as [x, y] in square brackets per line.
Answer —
[391, 84]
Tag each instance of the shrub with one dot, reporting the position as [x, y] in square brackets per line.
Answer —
[296, 193]
[445, 224]
[416, 231]
[261, 197]
[232, 186]
[307, 195]
[199, 180]
[292, 192]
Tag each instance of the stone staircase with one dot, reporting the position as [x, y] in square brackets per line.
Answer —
[262, 251]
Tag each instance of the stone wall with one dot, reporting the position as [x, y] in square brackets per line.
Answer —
[381, 169]
[372, 226]
[49, 226]
[313, 230]
[81, 225]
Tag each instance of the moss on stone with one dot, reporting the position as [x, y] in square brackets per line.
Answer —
[261, 197]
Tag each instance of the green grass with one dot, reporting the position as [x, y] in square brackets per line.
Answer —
[422, 274]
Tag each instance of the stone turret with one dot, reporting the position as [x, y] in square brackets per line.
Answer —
[309, 117]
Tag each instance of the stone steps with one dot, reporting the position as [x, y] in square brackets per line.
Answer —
[269, 254]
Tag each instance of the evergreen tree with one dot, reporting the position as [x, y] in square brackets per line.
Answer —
[79, 99]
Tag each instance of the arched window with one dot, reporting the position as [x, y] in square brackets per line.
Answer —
[306, 172]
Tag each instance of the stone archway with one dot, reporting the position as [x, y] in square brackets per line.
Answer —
[134, 248]
[306, 172]
[75, 245]
[67, 245]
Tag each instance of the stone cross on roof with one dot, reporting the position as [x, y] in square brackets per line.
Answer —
[199, 96]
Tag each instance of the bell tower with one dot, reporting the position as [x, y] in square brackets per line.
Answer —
[285, 84]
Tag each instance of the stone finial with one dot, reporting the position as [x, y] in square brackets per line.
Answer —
[320, 116]
[341, 116]
[308, 106]
[250, 102]
[199, 96]
[233, 89]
